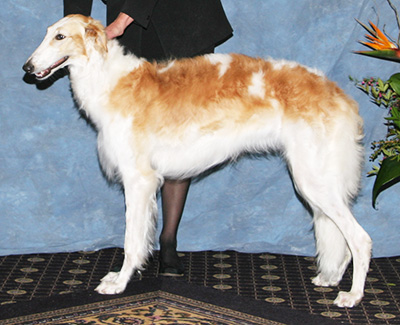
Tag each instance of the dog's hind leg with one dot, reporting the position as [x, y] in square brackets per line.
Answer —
[321, 189]
[325, 166]
[359, 244]
[344, 228]
[141, 208]
[333, 255]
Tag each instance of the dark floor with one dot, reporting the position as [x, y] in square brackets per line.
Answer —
[277, 279]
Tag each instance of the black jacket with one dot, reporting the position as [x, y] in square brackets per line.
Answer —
[184, 27]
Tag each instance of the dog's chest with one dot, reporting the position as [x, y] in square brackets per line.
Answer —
[114, 144]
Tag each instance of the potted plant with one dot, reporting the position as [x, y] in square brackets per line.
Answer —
[385, 94]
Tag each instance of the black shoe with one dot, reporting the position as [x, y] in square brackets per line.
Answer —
[171, 270]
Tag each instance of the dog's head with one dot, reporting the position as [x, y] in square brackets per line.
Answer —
[73, 39]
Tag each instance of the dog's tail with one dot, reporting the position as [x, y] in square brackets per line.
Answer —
[348, 147]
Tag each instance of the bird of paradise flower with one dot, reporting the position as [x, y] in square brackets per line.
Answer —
[382, 47]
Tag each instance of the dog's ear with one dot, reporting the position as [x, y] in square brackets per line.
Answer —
[95, 35]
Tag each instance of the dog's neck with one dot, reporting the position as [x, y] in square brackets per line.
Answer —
[94, 78]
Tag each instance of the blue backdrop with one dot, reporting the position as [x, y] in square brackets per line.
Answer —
[54, 198]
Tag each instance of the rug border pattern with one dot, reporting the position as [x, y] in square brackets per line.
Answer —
[213, 312]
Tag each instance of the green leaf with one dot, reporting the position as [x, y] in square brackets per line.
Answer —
[394, 82]
[385, 87]
[390, 54]
[395, 117]
[388, 175]
[397, 123]
[388, 94]
[395, 112]
[380, 84]
[374, 92]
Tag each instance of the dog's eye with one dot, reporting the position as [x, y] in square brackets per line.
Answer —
[59, 37]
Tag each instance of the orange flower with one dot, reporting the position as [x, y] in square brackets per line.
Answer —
[377, 39]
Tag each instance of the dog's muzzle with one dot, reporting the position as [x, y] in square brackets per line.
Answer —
[28, 67]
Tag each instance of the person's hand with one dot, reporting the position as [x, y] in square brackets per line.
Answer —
[118, 26]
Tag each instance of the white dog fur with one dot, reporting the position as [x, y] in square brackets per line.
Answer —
[179, 118]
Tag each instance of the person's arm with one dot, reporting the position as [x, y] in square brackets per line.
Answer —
[83, 7]
[118, 26]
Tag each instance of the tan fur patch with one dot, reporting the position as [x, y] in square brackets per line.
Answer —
[192, 89]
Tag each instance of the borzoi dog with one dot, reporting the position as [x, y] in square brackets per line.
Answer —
[179, 118]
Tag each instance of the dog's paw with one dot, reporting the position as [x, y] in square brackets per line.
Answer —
[347, 299]
[321, 282]
[110, 277]
[111, 284]
[110, 288]
[318, 281]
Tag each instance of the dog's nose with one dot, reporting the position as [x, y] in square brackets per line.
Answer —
[28, 67]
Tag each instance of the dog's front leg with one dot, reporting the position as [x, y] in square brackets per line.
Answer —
[141, 208]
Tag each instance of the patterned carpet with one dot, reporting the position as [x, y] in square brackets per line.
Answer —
[279, 280]
[154, 307]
